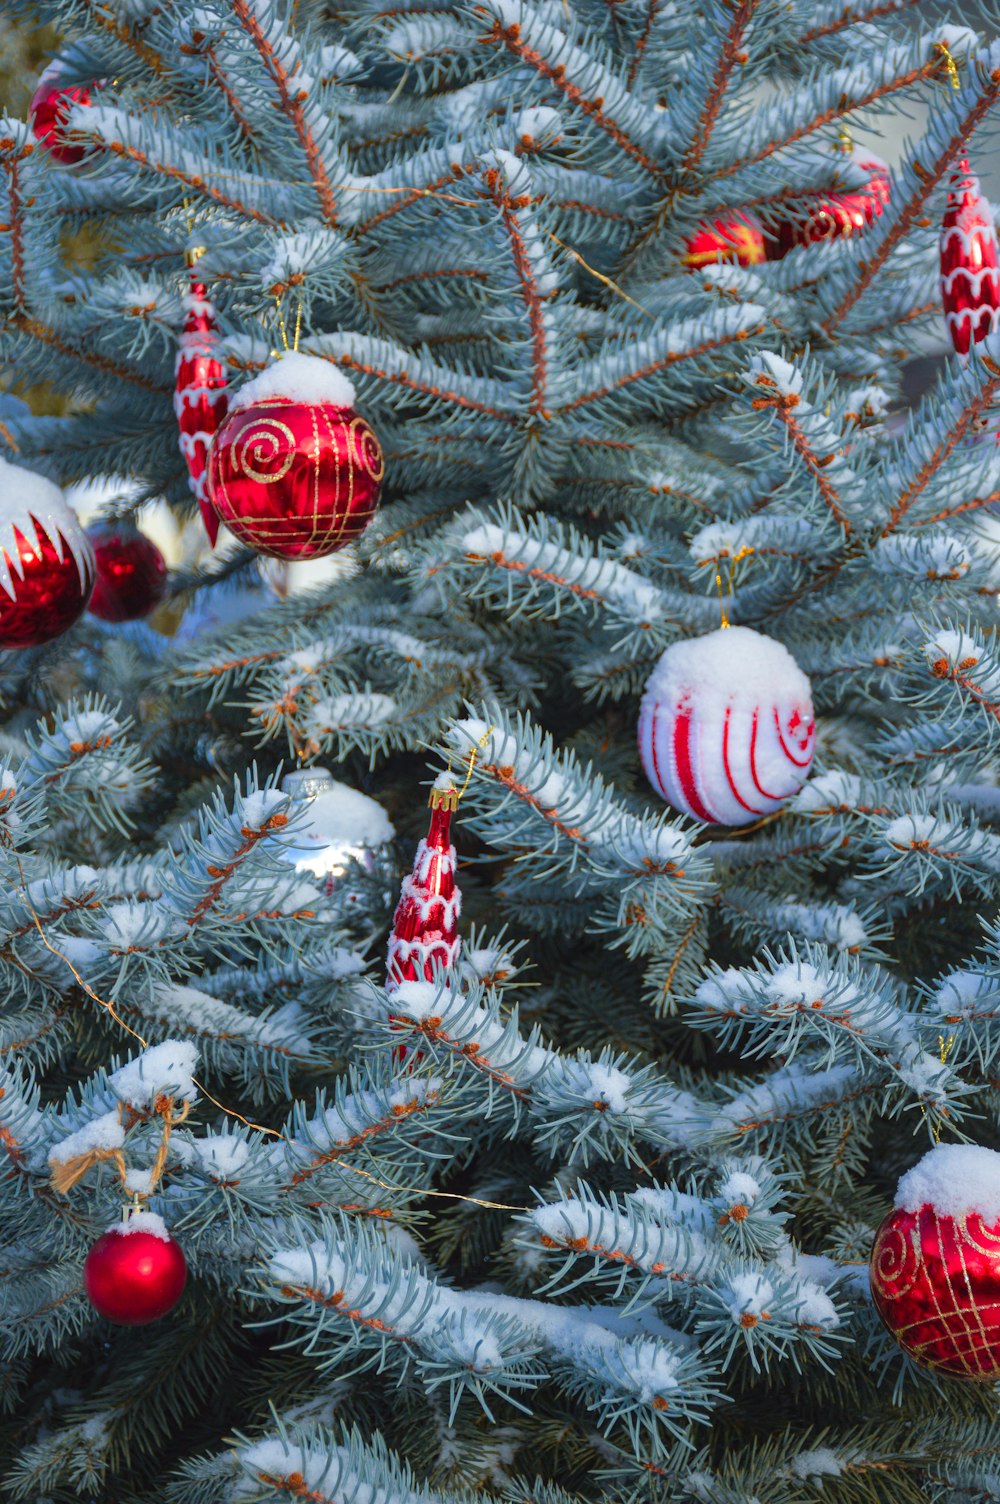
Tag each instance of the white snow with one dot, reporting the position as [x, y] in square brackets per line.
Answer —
[731, 666]
[821, 1462]
[163, 1069]
[739, 1188]
[142, 1222]
[337, 810]
[221, 1155]
[296, 378]
[105, 1132]
[955, 1179]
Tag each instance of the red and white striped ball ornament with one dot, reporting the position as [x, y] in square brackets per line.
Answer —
[726, 728]
[425, 937]
[200, 398]
[970, 263]
[46, 562]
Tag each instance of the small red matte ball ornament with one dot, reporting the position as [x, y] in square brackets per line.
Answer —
[131, 572]
[135, 1273]
[200, 398]
[295, 471]
[50, 106]
[425, 937]
[970, 263]
[837, 216]
[46, 562]
[935, 1263]
[739, 239]
[726, 728]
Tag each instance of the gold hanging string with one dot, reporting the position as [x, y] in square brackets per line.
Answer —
[448, 798]
[298, 327]
[737, 558]
[282, 329]
[945, 1046]
[607, 281]
[6, 434]
[950, 65]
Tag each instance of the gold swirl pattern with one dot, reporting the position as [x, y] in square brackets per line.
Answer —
[261, 444]
[895, 1262]
[366, 447]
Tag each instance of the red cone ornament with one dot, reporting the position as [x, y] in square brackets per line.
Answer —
[200, 398]
[135, 1273]
[970, 263]
[935, 1263]
[46, 563]
[425, 936]
[834, 216]
[294, 471]
[726, 728]
[738, 239]
[131, 572]
[50, 105]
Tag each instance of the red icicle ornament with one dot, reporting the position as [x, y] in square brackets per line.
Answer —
[200, 399]
[425, 936]
[970, 263]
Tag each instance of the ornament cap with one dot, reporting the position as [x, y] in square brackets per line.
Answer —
[193, 254]
[444, 798]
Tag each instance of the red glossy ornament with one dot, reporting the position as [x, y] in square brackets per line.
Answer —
[46, 563]
[200, 398]
[292, 473]
[49, 107]
[936, 1285]
[970, 263]
[738, 239]
[131, 572]
[833, 216]
[132, 1275]
[425, 936]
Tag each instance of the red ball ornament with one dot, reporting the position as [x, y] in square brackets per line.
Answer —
[294, 471]
[835, 216]
[46, 563]
[935, 1263]
[50, 106]
[200, 398]
[135, 1273]
[739, 239]
[970, 263]
[131, 572]
[726, 728]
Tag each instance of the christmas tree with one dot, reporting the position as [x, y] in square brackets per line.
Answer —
[574, 1197]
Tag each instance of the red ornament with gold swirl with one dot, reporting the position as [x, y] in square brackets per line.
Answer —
[936, 1285]
[293, 477]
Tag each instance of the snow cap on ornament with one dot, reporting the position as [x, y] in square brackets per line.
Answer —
[425, 938]
[970, 263]
[295, 471]
[935, 1263]
[46, 562]
[726, 727]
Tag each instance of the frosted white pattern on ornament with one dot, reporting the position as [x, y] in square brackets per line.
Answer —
[726, 728]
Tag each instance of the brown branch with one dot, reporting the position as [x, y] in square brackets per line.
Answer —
[252, 836]
[729, 56]
[929, 179]
[852, 17]
[510, 37]
[291, 105]
[13, 167]
[661, 365]
[49, 337]
[963, 506]
[509, 208]
[652, 6]
[843, 107]
[344, 1146]
[191, 181]
[219, 79]
[101, 16]
[980, 404]
[782, 405]
[942, 669]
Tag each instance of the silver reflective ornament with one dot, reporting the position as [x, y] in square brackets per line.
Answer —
[342, 826]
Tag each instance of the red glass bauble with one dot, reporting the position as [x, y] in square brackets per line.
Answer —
[292, 476]
[133, 1276]
[936, 1284]
[833, 216]
[50, 106]
[740, 240]
[970, 263]
[46, 563]
[131, 572]
[200, 399]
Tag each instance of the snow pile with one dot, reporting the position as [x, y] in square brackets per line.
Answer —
[731, 666]
[105, 1132]
[163, 1070]
[147, 1222]
[954, 1179]
[294, 377]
